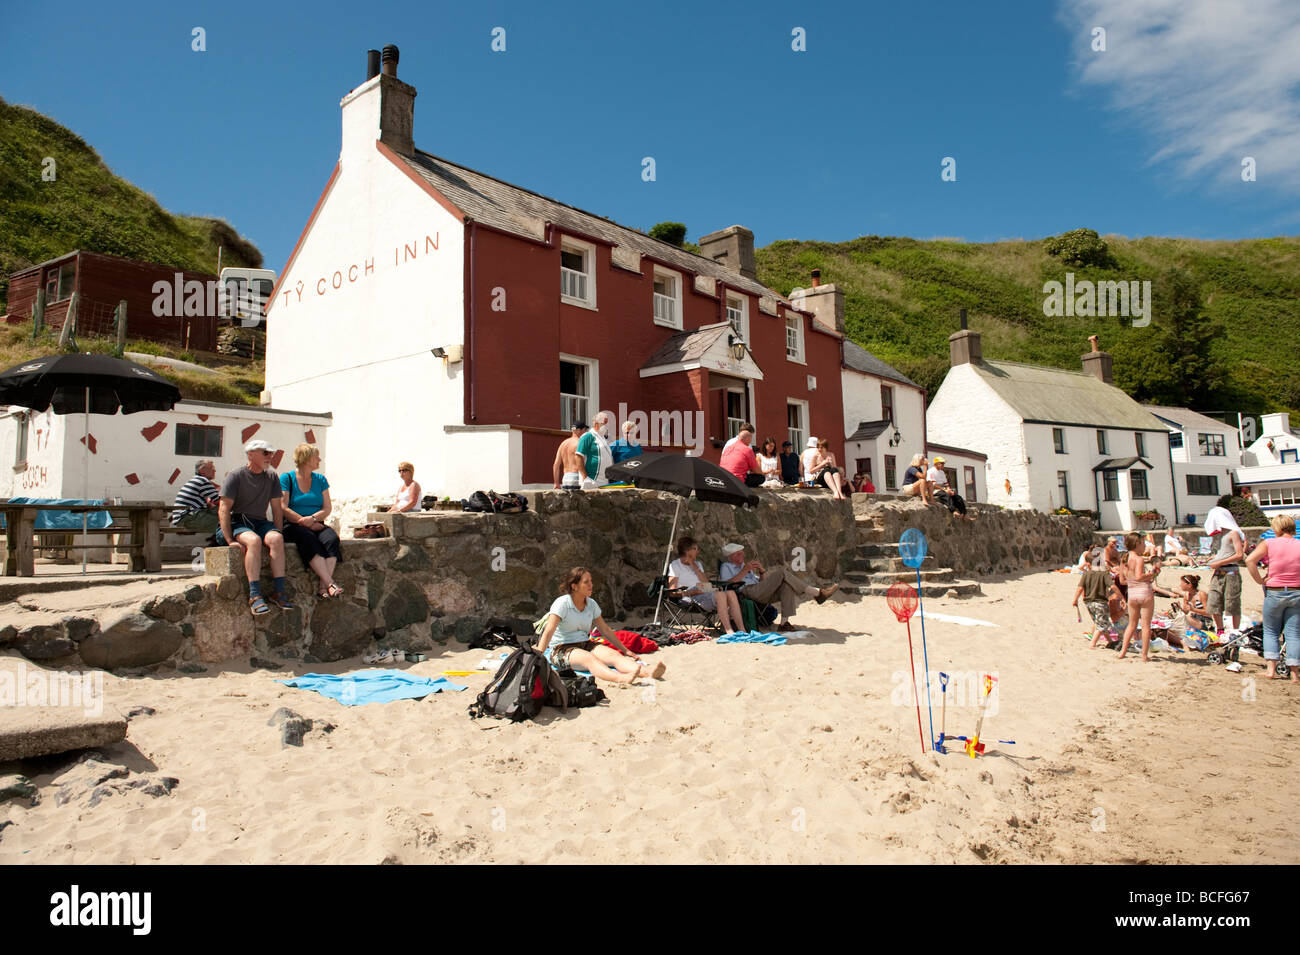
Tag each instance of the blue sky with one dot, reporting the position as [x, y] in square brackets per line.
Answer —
[842, 140]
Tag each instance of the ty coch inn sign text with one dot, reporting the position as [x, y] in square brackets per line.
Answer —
[407, 252]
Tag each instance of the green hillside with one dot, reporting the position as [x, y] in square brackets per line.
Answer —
[87, 207]
[902, 298]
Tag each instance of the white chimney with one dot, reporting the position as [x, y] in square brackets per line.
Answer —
[382, 108]
[1276, 425]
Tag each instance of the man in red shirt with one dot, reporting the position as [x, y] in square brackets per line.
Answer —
[738, 458]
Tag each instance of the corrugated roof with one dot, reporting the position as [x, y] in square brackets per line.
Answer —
[515, 209]
[858, 358]
[1185, 419]
[1057, 396]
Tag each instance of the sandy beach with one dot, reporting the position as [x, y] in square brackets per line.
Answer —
[800, 753]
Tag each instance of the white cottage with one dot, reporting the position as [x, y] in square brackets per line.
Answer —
[1055, 438]
[1205, 454]
[1270, 467]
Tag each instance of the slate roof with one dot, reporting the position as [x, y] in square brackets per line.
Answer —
[1184, 419]
[1056, 396]
[517, 210]
[858, 358]
[1122, 464]
[868, 430]
[687, 346]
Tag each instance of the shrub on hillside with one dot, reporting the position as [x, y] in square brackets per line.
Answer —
[674, 233]
[1082, 248]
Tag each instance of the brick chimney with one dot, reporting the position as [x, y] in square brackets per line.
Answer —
[382, 108]
[732, 247]
[826, 302]
[964, 345]
[1098, 362]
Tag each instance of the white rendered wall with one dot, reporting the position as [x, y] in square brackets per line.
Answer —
[363, 350]
[967, 413]
[862, 403]
[56, 454]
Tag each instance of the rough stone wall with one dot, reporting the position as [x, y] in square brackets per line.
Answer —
[441, 575]
[998, 541]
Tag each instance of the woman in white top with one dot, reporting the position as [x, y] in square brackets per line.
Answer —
[686, 572]
[572, 617]
[770, 464]
[1176, 550]
[408, 492]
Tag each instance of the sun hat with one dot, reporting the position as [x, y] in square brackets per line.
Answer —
[939, 459]
[257, 444]
[729, 549]
[812, 442]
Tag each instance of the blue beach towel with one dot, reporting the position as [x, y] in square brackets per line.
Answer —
[755, 636]
[370, 686]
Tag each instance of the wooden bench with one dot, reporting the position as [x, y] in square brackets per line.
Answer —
[142, 520]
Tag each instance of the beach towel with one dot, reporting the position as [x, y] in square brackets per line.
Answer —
[962, 621]
[632, 640]
[1221, 519]
[756, 636]
[370, 686]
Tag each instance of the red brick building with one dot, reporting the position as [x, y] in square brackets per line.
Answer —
[480, 319]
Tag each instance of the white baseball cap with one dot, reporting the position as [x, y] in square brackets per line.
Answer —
[257, 444]
[729, 549]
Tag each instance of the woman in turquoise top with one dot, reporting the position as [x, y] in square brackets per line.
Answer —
[572, 617]
[306, 496]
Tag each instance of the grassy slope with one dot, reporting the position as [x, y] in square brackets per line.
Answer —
[902, 298]
[87, 207]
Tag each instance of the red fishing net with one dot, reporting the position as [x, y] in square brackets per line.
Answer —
[902, 600]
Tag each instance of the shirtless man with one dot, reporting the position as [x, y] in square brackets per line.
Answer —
[569, 462]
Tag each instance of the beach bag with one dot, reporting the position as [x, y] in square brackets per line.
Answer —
[523, 684]
[582, 690]
[509, 503]
[478, 503]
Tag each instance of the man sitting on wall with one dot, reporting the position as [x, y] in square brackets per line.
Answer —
[789, 464]
[195, 508]
[738, 458]
[774, 586]
[937, 478]
[245, 495]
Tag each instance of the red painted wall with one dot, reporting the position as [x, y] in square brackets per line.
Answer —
[513, 372]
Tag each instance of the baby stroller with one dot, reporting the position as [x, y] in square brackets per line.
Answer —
[1251, 638]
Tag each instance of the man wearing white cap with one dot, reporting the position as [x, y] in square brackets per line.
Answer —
[781, 586]
[245, 495]
[1225, 585]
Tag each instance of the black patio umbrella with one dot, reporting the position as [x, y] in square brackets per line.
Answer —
[87, 383]
[682, 475]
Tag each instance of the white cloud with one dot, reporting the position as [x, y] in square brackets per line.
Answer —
[1209, 81]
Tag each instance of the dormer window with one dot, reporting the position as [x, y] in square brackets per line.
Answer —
[578, 273]
[667, 298]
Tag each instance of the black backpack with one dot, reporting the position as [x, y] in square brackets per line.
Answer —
[582, 690]
[524, 684]
[509, 503]
[478, 502]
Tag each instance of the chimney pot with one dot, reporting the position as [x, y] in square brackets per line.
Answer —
[816, 277]
[1098, 362]
[372, 64]
[1092, 340]
[390, 58]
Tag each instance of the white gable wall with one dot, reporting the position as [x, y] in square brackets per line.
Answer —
[967, 413]
[377, 283]
[862, 403]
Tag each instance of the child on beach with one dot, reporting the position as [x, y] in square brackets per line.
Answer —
[1140, 570]
[1095, 590]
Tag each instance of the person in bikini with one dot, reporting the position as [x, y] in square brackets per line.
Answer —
[566, 637]
[1140, 570]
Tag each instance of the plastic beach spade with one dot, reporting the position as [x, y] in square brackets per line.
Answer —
[902, 600]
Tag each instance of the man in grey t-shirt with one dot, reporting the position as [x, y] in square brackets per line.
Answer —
[245, 495]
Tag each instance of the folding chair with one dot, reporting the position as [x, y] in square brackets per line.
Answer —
[1205, 552]
[680, 611]
[755, 615]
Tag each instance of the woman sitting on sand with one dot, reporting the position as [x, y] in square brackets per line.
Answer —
[572, 617]
[686, 572]
[1192, 602]
[1140, 570]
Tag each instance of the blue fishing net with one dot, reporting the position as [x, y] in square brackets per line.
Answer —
[912, 546]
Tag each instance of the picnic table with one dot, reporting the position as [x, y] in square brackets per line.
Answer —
[143, 520]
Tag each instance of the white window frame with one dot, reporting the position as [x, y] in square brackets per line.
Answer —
[593, 386]
[20, 442]
[803, 421]
[588, 253]
[743, 313]
[797, 354]
[671, 303]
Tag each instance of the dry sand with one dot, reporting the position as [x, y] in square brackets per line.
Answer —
[800, 753]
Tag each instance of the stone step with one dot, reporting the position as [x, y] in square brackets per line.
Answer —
[963, 588]
[880, 565]
[906, 576]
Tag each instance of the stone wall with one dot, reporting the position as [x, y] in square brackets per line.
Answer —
[998, 541]
[441, 575]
